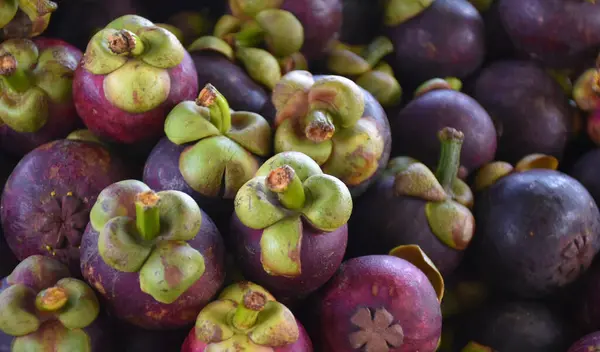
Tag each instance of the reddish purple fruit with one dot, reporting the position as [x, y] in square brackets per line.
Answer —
[43, 309]
[156, 258]
[247, 318]
[436, 105]
[559, 33]
[36, 103]
[431, 39]
[588, 343]
[381, 303]
[132, 74]
[48, 197]
[289, 227]
[530, 110]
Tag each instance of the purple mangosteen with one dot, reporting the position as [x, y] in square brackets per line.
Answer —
[246, 317]
[42, 308]
[289, 227]
[36, 103]
[585, 170]
[382, 303]
[538, 229]
[155, 257]
[437, 104]
[133, 72]
[365, 65]
[48, 196]
[529, 108]
[411, 204]
[209, 152]
[25, 18]
[559, 33]
[335, 122]
[434, 38]
[588, 343]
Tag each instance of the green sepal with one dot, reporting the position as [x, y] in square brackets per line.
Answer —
[260, 65]
[119, 246]
[275, 327]
[417, 180]
[236, 291]
[130, 22]
[290, 95]
[384, 87]
[339, 96]
[188, 122]
[16, 318]
[54, 73]
[172, 268]
[24, 51]
[346, 62]
[163, 49]
[251, 8]
[24, 112]
[287, 139]
[53, 336]
[98, 58]
[253, 206]
[82, 306]
[451, 222]
[251, 131]
[400, 11]
[214, 44]
[329, 202]
[8, 11]
[302, 164]
[212, 324]
[227, 24]
[283, 32]
[114, 201]
[280, 246]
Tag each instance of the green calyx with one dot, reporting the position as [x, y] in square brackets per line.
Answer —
[146, 232]
[30, 80]
[365, 66]
[400, 11]
[438, 83]
[246, 316]
[135, 55]
[226, 147]
[482, 5]
[85, 135]
[28, 17]
[447, 197]
[39, 291]
[324, 120]
[494, 171]
[287, 191]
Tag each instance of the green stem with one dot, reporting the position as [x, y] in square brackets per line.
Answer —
[284, 181]
[13, 77]
[250, 36]
[51, 299]
[220, 113]
[125, 42]
[379, 48]
[449, 162]
[147, 216]
[318, 126]
[247, 311]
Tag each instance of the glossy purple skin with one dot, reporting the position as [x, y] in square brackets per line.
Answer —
[559, 33]
[380, 281]
[62, 166]
[321, 254]
[124, 298]
[161, 172]
[241, 92]
[516, 326]
[537, 232]
[115, 125]
[585, 171]
[590, 342]
[446, 39]
[530, 110]
[382, 220]
[415, 128]
[62, 118]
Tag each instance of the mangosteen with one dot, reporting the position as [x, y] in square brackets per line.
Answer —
[529, 108]
[585, 171]
[514, 326]
[25, 18]
[335, 122]
[47, 198]
[289, 226]
[132, 74]
[36, 103]
[382, 303]
[557, 33]
[411, 204]
[588, 343]
[247, 317]
[209, 152]
[434, 38]
[155, 257]
[437, 104]
[42, 308]
[361, 21]
[537, 229]
[76, 21]
[364, 65]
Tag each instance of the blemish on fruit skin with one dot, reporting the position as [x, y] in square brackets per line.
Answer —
[375, 289]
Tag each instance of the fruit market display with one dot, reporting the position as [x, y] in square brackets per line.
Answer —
[300, 176]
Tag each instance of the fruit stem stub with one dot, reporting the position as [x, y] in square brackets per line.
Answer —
[15, 78]
[125, 42]
[284, 181]
[449, 162]
[51, 299]
[220, 113]
[147, 216]
[318, 126]
[247, 311]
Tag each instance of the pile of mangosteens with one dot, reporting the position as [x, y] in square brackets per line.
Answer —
[300, 175]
